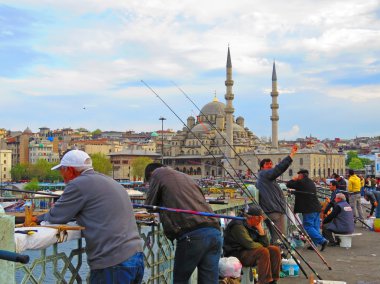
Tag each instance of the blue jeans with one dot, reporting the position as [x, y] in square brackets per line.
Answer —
[199, 248]
[311, 223]
[130, 271]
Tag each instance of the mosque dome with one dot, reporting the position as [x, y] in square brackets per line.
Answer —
[213, 108]
[153, 134]
[201, 127]
[238, 128]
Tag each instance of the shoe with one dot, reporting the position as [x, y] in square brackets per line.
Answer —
[324, 245]
[310, 248]
[332, 244]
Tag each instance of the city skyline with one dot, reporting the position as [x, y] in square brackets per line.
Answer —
[80, 64]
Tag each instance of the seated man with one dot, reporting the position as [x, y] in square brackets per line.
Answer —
[248, 241]
[340, 220]
[374, 198]
[334, 192]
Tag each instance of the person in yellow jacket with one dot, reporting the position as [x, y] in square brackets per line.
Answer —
[354, 186]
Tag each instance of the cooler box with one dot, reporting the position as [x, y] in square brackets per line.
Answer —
[290, 268]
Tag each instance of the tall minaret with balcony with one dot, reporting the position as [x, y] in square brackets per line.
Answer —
[274, 106]
[229, 110]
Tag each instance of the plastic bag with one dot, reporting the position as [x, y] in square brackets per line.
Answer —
[230, 267]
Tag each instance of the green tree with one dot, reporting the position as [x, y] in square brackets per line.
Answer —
[138, 166]
[32, 185]
[96, 132]
[19, 172]
[350, 156]
[366, 161]
[40, 169]
[101, 163]
[355, 164]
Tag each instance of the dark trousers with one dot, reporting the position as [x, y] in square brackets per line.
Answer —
[267, 260]
[200, 248]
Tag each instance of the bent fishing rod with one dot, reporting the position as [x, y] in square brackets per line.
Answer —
[249, 194]
[217, 130]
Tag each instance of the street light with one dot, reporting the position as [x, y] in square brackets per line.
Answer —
[162, 138]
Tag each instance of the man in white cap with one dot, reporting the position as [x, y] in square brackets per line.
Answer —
[103, 207]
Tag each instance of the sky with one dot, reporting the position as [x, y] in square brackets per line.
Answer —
[81, 64]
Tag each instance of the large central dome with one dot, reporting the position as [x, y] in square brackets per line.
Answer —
[213, 108]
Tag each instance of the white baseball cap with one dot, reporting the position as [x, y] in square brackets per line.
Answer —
[74, 158]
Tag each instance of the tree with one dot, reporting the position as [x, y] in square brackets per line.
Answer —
[355, 164]
[101, 163]
[32, 185]
[96, 133]
[350, 156]
[19, 172]
[138, 166]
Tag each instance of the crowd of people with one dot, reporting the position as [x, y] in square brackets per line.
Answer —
[114, 247]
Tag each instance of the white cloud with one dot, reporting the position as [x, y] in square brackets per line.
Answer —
[290, 134]
[364, 94]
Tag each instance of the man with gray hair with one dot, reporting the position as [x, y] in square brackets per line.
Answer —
[339, 221]
[103, 207]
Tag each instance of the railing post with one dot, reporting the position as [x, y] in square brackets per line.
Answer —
[7, 242]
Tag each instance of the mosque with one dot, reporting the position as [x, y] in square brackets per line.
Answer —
[216, 144]
[218, 129]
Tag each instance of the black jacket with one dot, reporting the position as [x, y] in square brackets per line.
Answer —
[306, 202]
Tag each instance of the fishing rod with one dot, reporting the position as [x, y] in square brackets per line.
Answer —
[207, 214]
[303, 232]
[249, 194]
[193, 212]
[286, 242]
[292, 252]
[217, 130]
[307, 236]
[32, 192]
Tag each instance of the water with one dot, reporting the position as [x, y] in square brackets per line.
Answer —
[67, 247]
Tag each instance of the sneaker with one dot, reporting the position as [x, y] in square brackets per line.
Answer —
[310, 248]
[333, 244]
[324, 245]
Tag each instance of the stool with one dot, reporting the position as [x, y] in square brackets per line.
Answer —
[247, 275]
[346, 239]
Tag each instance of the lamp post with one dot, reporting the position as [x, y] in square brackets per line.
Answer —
[162, 138]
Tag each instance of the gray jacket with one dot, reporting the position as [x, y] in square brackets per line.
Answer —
[271, 197]
[104, 208]
[173, 189]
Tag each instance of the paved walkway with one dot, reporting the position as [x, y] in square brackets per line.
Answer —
[358, 265]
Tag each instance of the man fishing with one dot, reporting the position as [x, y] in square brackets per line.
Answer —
[198, 238]
[308, 205]
[103, 207]
[271, 197]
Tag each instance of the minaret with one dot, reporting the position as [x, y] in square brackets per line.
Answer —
[229, 110]
[274, 107]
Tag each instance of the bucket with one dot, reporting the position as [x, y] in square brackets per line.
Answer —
[289, 267]
[376, 225]
[369, 222]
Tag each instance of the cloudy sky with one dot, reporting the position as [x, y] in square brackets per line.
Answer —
[80, 63]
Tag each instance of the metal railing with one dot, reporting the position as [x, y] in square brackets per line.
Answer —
[69, 266]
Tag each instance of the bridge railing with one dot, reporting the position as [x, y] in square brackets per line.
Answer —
[57, 264]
